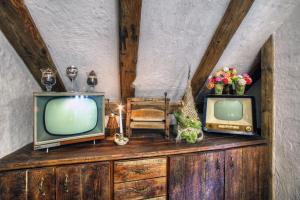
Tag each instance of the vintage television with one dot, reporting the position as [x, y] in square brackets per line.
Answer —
[229, 114]
[67, 117]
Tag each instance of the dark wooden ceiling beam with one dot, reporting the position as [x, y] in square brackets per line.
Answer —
[129, 31]
[20, 30]
[234, 15]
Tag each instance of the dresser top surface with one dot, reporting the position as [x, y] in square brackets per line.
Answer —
[106, 150]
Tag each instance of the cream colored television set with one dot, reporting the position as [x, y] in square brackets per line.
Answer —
[229, 114]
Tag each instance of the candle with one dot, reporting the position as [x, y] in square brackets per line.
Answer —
[120, 113]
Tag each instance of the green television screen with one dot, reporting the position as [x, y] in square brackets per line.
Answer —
[229, 110]
[69, 116]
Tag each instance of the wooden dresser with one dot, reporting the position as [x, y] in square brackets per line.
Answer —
[221, 167]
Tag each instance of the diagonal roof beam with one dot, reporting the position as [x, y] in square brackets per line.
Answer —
[129, 31]
[20, 30]
[234, 15]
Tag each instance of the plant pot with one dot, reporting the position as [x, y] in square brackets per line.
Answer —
[219, 89]
[239, 89]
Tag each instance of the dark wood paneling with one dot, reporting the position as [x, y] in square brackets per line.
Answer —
[20, 30]
[68, 183]
[233, 174]
[13, 185]
[201, 176]
[129, 31]
[246, 174]
[176, 189]
[214, 176]
[139, 169]
[41, 184]
[142, 189]
[233, 17]
[194, 172]
[267, 99]
[107, 150]
[96, 181]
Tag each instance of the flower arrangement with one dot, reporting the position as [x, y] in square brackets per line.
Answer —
[227, 77]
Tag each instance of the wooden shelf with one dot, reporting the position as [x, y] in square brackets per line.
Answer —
[106, 150]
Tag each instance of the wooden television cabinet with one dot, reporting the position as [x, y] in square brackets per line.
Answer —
[221, 167]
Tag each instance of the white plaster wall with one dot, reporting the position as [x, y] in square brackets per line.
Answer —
[83, 33]
[263, 18]
[174, 34]
[16, 88]
[287, 87]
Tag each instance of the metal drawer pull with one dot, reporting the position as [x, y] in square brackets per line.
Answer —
[139, 171]
[41, 187]
[66, 183]
[141, 190]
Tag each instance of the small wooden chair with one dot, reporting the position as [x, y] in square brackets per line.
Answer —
[148, 113]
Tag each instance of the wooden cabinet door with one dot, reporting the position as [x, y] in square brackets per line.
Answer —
[68, 182]
[246, 173]
[13, 185]
[41, 184]
[87, 181]
[96, 181]
[197, 176]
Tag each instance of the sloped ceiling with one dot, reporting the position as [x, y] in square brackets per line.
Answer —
[174, 35]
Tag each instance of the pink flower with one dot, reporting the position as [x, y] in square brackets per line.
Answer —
[245, 75]
[218, 79]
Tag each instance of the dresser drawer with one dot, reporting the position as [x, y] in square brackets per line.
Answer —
[139, 169]
[142, 189]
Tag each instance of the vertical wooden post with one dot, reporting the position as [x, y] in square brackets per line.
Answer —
[267, 101]
[129, 31]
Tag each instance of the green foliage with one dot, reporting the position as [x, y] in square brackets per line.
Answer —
[185, 122]
[188, 128]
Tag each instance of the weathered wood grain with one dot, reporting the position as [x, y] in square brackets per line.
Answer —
[234, 15]
[96, 181]
[68, 183]
[139, 169]
[267, 100]
[214, 176]
[176, 175]
[200, 176]
[20, 30]
[13, 185]
[142, 189]
[129, 31]
[233, 174]
[106, 150]
[246, 174]
[41, 184]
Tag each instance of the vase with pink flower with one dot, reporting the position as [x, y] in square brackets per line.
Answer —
[240, 83]
[221, 81]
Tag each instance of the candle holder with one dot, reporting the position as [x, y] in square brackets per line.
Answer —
[119, 138]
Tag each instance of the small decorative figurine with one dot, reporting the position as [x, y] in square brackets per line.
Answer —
[92, 80]
[120, 139]
[72, 73]
[48, 78]
[112, 124]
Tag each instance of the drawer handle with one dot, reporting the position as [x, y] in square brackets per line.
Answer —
[218, 165]
[231, 164]
[141, 190]
[41, 187]
[139, 171]
[66, 184]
